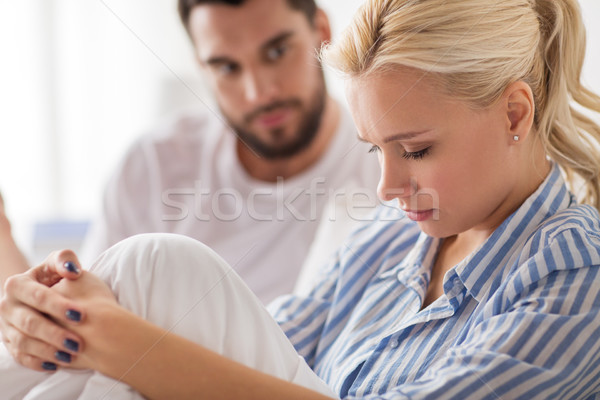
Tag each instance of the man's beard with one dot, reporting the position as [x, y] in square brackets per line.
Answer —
[310, 122]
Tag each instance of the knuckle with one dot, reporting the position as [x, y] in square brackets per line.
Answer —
[39, 295]
[26, 360]
[3, 308]
[65, 254]
[7, 334]
[19, 355]
[11, 284]
[51, 256]
[17, 342]
[56, 336]
[29, 324]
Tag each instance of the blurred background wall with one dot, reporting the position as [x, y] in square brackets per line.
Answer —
[81, 79]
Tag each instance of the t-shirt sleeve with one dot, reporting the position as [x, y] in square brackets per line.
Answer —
[125, 204]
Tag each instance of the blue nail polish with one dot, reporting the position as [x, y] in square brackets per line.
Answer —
[49, 366]
[73, 315]
[71, 267]
[71, 345]
[62, 356]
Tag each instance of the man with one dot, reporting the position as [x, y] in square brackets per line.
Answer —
[252, 180]
[291, 147]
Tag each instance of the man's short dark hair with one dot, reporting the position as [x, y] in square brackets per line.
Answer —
[308, 7]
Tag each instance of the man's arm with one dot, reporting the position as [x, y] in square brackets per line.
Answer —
[12, 261]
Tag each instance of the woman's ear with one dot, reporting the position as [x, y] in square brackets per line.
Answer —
[520, 110]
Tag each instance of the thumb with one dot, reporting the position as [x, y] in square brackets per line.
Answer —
[58, 265]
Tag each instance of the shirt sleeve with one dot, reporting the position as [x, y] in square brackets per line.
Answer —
[536, 341]
[125, 204]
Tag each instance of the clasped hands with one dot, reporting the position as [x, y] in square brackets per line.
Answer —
[52, 315]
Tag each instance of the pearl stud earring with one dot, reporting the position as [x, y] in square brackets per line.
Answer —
[516, 138]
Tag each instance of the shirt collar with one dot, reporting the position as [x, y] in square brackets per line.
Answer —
[479, 271]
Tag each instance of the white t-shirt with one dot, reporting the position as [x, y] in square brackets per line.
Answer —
[186, 178]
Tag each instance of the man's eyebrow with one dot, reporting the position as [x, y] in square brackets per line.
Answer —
[282, 37]
[218, 60]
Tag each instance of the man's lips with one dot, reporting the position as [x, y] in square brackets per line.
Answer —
[273, 118]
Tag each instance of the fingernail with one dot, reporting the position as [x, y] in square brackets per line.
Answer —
[71, 345]
[73, 315]
[71, 267]
[49, 366]
[62, 356]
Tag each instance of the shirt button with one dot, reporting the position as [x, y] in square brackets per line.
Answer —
[394, 343]
[400, 275]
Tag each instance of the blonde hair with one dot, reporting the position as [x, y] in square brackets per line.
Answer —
[476, 49]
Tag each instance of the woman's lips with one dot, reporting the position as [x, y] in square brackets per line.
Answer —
[419, 216]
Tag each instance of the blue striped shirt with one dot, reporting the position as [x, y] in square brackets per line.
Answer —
[518, 318]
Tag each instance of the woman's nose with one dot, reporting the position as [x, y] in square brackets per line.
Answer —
[395, 181]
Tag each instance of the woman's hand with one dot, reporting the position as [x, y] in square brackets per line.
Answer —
[34, 314]
[93, 295]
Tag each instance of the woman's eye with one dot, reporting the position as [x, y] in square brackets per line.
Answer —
[374, 149]
[416, 155]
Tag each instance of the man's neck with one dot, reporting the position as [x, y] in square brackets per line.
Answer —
[269, 170]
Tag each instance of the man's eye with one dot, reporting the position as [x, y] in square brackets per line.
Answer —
[374, 149]
[227, 69]
[275, 53]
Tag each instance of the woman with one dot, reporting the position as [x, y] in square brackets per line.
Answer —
[491, 291]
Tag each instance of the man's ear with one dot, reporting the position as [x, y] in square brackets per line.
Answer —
[520, 110]
[322, 26]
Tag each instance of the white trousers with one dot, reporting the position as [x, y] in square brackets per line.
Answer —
[182, 286]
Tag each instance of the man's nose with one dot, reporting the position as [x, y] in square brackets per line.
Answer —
[260, 87]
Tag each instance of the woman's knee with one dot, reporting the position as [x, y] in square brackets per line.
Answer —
[149, 268]
[155, 253]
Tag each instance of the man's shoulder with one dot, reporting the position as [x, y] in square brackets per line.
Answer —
[184, 128]
[174, 146]
[179, 136]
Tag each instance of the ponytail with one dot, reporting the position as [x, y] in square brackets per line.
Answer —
[570, 138]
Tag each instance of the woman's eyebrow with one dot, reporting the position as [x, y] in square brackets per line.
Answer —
[404, 135]
[398, 136]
